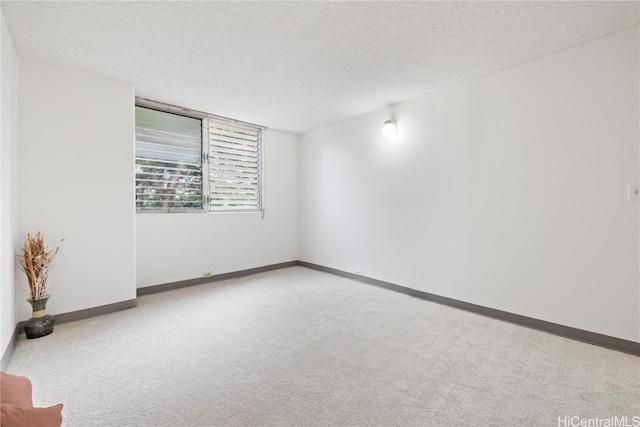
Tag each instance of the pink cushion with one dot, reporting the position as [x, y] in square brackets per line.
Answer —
[15, 390]
[14, 416]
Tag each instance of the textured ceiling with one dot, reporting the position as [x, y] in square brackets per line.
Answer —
[295, 66]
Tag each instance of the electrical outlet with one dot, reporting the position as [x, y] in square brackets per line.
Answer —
[633, 192]
[206, 274]
[359, 272]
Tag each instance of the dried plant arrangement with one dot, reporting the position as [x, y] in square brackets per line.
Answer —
[36, 260]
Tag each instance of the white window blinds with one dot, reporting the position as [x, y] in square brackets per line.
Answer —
[234, 168]
[168, 161]
[191, 161]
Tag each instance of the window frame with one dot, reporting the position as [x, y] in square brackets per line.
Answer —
[205, 119]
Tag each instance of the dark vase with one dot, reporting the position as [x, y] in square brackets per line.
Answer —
[41, 323]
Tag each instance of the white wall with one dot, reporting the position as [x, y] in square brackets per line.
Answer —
[75, 181]
[508, 191]
[8, 184]
[180, 246]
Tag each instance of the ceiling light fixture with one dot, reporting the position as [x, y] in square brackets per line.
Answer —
[390, 128]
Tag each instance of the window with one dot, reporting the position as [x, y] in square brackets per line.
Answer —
[168, 162]
[196, 163]
[234, 168]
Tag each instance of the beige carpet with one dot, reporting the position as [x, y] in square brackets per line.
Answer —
[300, 347]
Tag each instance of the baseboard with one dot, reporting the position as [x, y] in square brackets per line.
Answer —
[148, 290]
[89, 312]
[6, 357]
[601, 340]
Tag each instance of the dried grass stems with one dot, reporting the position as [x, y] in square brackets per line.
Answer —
[37, 261]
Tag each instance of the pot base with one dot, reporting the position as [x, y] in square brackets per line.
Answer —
[39, 326]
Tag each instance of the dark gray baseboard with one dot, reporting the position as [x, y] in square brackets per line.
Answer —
[6, 357]
[95, 311]
[601, 340]
[148, 290]
[89, 312]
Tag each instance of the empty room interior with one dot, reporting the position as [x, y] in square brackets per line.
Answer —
[322, 213]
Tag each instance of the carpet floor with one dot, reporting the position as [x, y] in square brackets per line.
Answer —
[301, 347]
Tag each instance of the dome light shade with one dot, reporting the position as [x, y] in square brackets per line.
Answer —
[390, 128]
